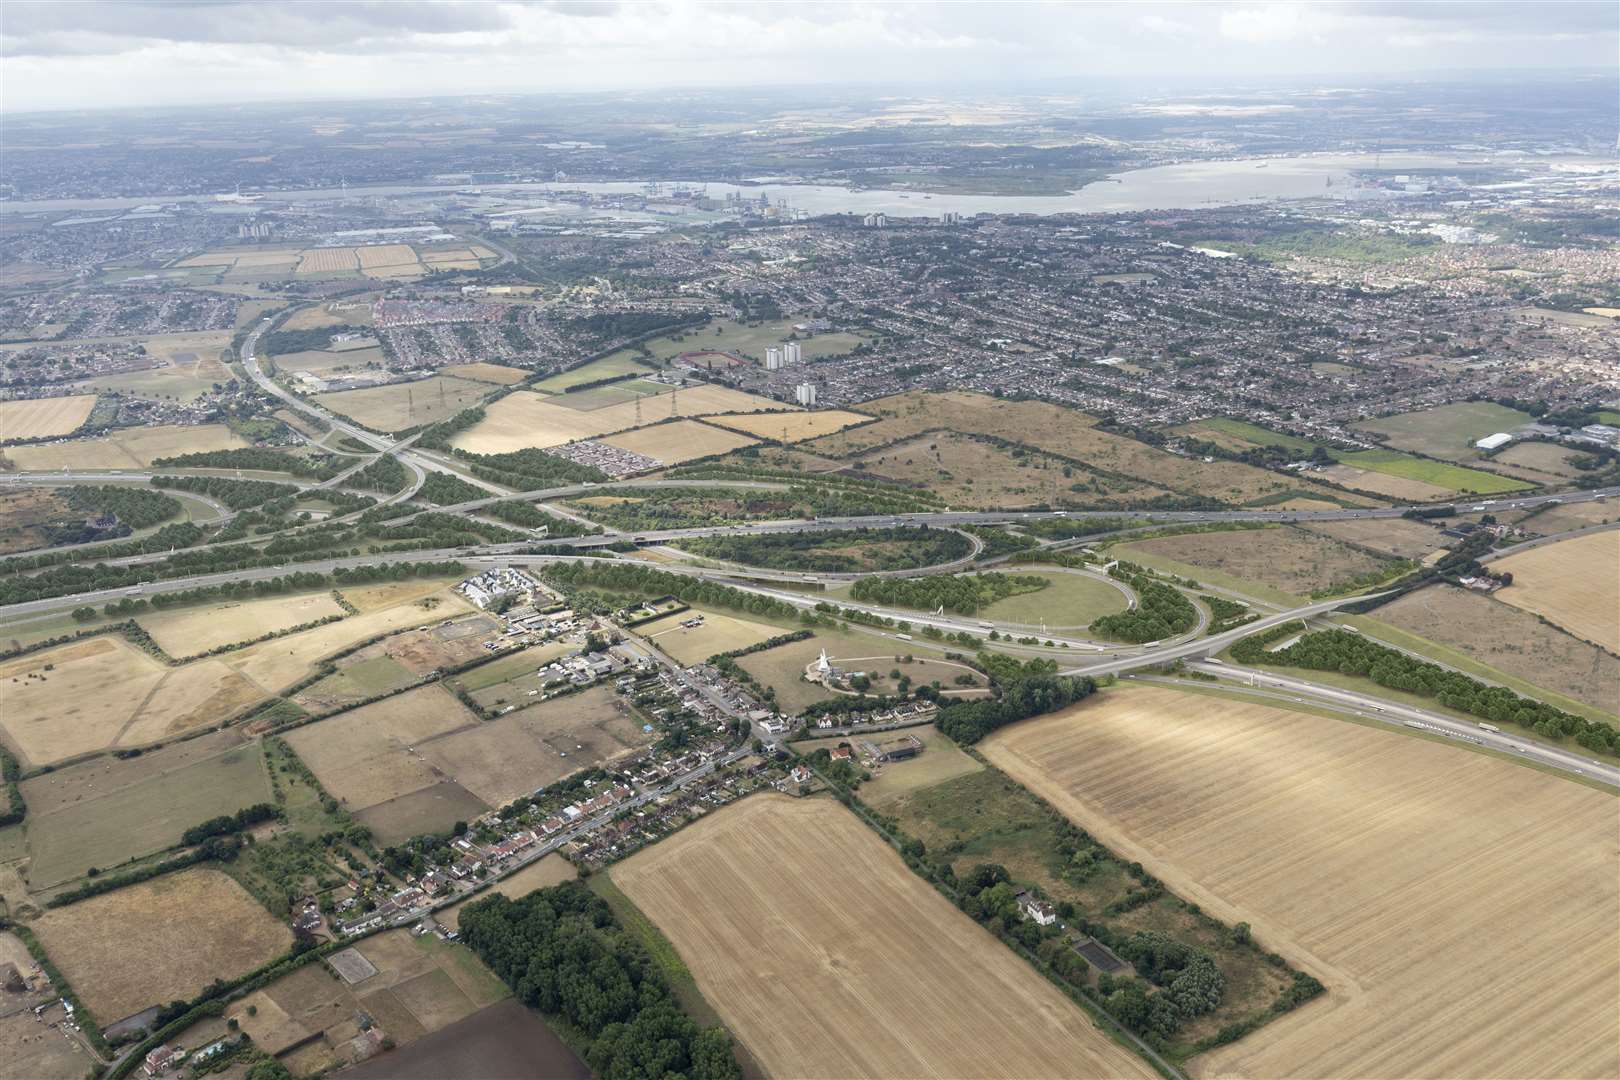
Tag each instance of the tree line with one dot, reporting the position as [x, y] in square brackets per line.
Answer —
[967, 722]
[562, 951]
[618, 577]
[133, 506]
[236, 494]
[961, 594]
[892, 548]
[227, 824]
[1160, 611]
[1353, 654]
[529, 469]
[322, 467]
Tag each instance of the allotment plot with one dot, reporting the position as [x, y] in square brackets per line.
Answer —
[1413, 879]
[828, 958]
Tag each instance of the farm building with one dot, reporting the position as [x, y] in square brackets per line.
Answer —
[1494, 442]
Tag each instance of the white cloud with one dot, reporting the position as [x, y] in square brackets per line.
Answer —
[1274, 22]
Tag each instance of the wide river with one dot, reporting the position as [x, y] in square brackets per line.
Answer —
[1166, 187]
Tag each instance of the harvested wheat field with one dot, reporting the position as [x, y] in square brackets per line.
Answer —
[159, 941]
[1574, 583]
[395, 406]
[791, 427]
[828, 958]
[189, 631]
[275, 663]
[89, 695]
[499, 374]
[327, 260]
[527, 419]
[41, 417]
[126, 448]
[679, 441]
[1415, 880]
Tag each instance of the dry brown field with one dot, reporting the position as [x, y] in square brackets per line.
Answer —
[327, 260]
[432, 809]
[424, 650]
[1397, 537]
[1574, 583]
[24, 514]
[370, 755]
[369, 598]
[335, 313]
[127, 448]
[278, 662]
[547, 871]
[679, 441]
[719, 633]
[1571, 516]
[188, 631]
[326, 364]
[41, 417]
[1058, 431]
[30, 1050]
[965, 471]
[1289, 559]
[527, 419]
[1398, 488]
[529, 748]
[826, 957]
[791, 427]
[159, 941]
[1410, 877]
[499, 374]
[1509, 640]
[104, 692]
[194, 367]
[402, 405]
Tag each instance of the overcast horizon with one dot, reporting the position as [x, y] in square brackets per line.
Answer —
[167, 53]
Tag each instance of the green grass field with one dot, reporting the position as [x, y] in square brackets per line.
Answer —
[365, 678]
[1253, 434]
[1607, 416]
[1438, 473]
[1068, 600]
[143, 817]
[1448, 431]
[620, 363]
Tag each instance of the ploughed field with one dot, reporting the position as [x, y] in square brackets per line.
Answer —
[828, 958]
[1463, 911]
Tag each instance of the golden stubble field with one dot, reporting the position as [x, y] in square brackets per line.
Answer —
[1574, 583]
[828, 958]
[159, 941]
[681, 440]
[41, 417]
[1463, 911]
[126, 448]
[526, 418]
[792, 427]
[188, 631]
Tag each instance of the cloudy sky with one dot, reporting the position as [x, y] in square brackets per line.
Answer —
[96, 53]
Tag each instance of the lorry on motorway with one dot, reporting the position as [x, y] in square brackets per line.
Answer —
[1490, 727]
